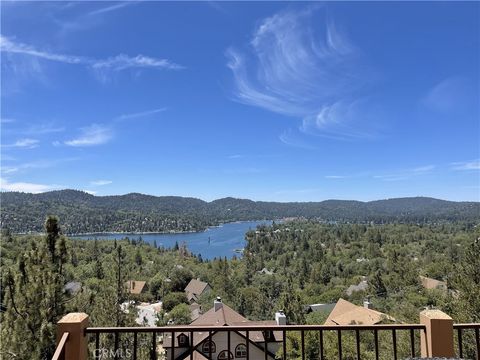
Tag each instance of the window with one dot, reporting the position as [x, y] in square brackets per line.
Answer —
[182, 340]
[241, 351]
[209, 346]
[225, 355]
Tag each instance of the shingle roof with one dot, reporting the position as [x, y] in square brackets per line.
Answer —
[429, 283]
[225, 316]
[195, 287]
[135, 287]
[346, 313]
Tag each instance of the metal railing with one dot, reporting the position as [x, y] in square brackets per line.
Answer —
[463, 330]
[328, 340]
[60, 350]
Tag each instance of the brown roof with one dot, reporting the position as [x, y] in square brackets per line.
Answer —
[429, 283]
[225, 316]
[195, 288]
[135, 287]
[346, 313]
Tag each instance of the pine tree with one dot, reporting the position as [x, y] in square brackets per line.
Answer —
[34, 297]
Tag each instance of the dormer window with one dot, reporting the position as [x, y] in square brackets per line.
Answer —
[225, 355]
[182, 340]
[209, 347]
[241, 351]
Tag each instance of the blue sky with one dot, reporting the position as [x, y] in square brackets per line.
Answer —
[263, 100]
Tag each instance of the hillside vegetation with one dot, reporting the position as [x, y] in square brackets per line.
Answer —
[82, 213]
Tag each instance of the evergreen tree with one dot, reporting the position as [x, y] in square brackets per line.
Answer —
[34, 297]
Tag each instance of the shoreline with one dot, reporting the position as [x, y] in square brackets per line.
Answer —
[173, 232]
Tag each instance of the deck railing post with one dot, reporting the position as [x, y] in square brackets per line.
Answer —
[75, 324]
[437, 339]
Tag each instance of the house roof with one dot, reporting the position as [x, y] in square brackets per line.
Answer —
[429, 283]
[226, 316]
[135, 286]
[196, 287]
[346, 313]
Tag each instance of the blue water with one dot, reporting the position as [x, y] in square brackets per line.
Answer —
[224, 240]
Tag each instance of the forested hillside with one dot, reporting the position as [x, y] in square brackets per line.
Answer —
[308, 262]
[81, 212]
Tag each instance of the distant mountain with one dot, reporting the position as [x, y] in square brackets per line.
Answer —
[80, 212]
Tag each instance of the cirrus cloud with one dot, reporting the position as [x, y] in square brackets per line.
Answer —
[94, 134]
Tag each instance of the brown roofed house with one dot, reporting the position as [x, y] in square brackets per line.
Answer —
[346, 313]
[429, 283]
[135, 287]
[195, 289]
[216, 347]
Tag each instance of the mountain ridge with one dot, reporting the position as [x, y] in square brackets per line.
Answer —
[135, 212]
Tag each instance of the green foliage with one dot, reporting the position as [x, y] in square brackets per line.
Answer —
[308, 262]
[84, 213]
[180, 314]
[173, 299]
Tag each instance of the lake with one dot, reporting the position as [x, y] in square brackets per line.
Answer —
[224, 240]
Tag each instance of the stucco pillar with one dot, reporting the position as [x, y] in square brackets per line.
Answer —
[437, 340]
[76, 347]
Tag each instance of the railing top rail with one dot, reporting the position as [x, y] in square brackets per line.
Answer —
[467, 326]
[179, 329]
[61, 345]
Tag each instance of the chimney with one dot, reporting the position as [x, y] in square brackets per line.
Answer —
[217, 303]
[280, 318]
[367, 304]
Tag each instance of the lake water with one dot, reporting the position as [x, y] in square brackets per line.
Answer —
[224, 240]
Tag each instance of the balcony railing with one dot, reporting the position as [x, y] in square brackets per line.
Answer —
[413, 332]
[435, 336]
[469, 329]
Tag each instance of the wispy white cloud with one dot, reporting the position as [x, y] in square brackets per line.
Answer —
[34, 188]
[295, 72]
[139, 114]
[111, 8]
[91, 192]
[100, 182]
[39, 164]
[466, 165]
[406, 174]
[292, 138]
[336, 177]
[26, 143]
[447, 95]
[6, 120]
[116, 63]
[94, 134]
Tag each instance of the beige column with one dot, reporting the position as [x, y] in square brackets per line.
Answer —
[76, 347]
[437, 341]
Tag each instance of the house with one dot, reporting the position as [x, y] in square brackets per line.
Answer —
[265, 271]
[135, 287]
[324, 308]
[216, 346]
[429, 283]
[346, 313]
[195, 289]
